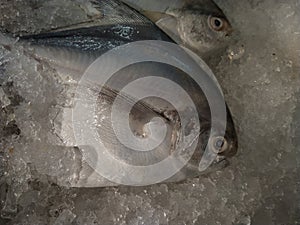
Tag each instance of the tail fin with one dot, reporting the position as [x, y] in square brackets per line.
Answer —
[7, 41]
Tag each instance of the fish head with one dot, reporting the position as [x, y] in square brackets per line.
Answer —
[197, 24]
[203, 27]
[223, 145]
[215, 147]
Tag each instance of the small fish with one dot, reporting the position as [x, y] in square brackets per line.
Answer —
[197, 24]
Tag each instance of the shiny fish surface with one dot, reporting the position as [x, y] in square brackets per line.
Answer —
[71, 50]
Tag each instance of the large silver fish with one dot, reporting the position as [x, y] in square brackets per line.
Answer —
[71, 50]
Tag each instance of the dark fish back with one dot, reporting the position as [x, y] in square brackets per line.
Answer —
[98, 38]
[119, 25]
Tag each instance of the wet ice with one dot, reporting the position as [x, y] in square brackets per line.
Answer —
[259, 74]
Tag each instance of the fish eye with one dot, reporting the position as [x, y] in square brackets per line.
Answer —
[219, 144]
[216, 23]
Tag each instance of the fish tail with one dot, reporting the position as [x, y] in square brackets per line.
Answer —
[7, 41]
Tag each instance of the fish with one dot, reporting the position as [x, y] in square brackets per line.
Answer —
[199, 25]
[72, 50]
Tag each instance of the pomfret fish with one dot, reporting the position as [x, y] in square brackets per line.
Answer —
[71, 50]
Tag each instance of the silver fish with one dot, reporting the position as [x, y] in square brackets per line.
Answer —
[71, 50]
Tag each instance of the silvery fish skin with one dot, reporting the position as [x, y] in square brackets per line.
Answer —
[64, 47]
[71, 50]
[197, 24]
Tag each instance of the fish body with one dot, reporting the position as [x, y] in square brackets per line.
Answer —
[71, 51]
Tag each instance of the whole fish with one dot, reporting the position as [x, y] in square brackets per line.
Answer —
[71, 50]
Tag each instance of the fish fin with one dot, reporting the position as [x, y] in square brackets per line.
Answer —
[89, 178]
[155, 5]
[111, 12]
[168, 24]
[154, 16]
[86, 24]
[141, 106]
[117, 12]
[7, 41]
[164, 16]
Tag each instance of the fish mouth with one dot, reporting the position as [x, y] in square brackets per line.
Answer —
[220, 162]
[216, 149]
[217, 160]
